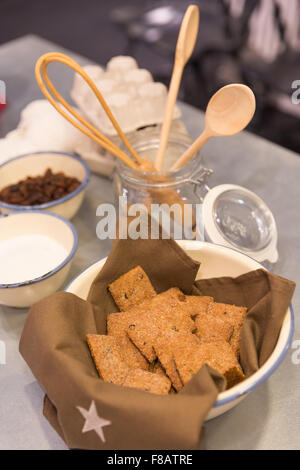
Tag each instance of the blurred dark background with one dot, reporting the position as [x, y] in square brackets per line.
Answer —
[256, 42]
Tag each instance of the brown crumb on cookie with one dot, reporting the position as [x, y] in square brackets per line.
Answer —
[131, 289]
[108, 358]
[147, 381]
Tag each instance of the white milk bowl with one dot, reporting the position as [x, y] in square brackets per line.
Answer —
[25, 293]
[215, 261]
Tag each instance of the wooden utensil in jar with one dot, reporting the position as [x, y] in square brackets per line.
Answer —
[228, 112]
[85, 127]
[184, 48]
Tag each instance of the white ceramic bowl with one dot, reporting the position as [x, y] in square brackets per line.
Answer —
[24, 294]
[216, 261]
[34, 164]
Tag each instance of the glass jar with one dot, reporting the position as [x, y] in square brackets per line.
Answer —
[227, 214]
[173, 198]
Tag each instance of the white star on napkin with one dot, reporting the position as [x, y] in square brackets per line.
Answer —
[92, 421]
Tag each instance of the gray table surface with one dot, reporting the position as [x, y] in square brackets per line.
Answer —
[269, 418]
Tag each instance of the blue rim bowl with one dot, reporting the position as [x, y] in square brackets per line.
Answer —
[244, 387]
[48, 205]
[61, 265]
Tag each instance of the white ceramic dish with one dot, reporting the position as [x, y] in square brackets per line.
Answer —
[34, 164]
[24, 294]
[216, 261]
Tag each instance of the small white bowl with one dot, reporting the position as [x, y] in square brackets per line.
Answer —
[35, 164]
[216, 261]
[24, 294]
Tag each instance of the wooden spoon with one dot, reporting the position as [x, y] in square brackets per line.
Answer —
[228, 112]
[184, 48]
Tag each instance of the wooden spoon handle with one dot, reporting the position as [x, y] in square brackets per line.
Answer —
[194, 148]
[184, 48]
[172, 96]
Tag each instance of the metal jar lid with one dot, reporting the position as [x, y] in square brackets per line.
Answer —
[236, 217]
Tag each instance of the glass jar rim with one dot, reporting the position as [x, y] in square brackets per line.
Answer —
[170, 178]
[162, 178]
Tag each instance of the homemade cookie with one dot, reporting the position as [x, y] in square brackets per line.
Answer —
[164, 310]
[131, 289]
[219, 356]
[165, 346]
[144, 331]
[108, 358]
[234, 316]
[158, 342]
[117, 324]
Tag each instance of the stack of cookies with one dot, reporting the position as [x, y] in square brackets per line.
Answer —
[158, 342]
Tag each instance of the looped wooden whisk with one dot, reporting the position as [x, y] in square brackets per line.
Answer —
[80, 123]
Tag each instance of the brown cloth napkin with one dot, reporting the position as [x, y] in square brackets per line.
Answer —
[165, 263]
[267, 297]
[89, 413]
